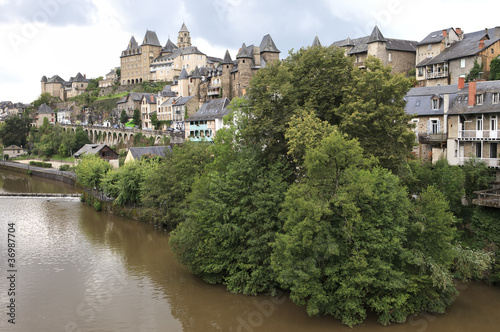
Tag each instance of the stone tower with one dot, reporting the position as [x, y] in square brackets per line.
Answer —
[183, 83]
[227, 67]
[44, 81]
[151, 49]
[196, 79]
[377, 45]
[245, 64]
[184, 38]
[268, 50]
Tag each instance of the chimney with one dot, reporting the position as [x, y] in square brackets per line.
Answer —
[85, 76]
[481, 44]
[472, 94]
[152, 98]
[461, 83]
[459, 31]
[497, 32]
[445, 33]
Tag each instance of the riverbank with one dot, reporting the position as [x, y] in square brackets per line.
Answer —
[48, 173]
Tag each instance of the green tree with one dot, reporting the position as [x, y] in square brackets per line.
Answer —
[450, 180]
[15, 131]
[81, 138]
[45, 98]
[91, 170]
[136, 119]
[495, 69]
[154, 120]
[475, 72]
[477, 177]
[165, 189]
[373, 111]
[123, 117]
[231, 222]
[309, 79]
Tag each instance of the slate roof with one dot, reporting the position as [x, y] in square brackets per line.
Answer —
[169, 47]
[13, 147]
[418, 100]
[44, 108]
[44, 78]
[486, 87]
[132, 44]
[245, 52]
[150, 98]
[434, 37]
[79, 78]
[183, 100]
[469, 46]
[316, 42]
[183, 75]
[227, 58]
[267, 45]
[151, 39]
[360, 45]
[137, 153]
[183, 28]
[56, 79]
[216, 108]
[214, 59]
[89, 148]
[167, 92]
[178, 52]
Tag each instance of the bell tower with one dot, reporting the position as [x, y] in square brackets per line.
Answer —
[184, 38]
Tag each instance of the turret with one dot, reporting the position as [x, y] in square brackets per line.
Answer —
[227, 67]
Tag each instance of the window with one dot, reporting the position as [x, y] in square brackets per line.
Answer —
[462, 63]
[479, 150]
[429, 47]
[493, 150]
[479, 123]
[494, 98]
[435, 104]
[433, 126]
[479, 99]
[494, 123]
[389, 57]
[420, 71]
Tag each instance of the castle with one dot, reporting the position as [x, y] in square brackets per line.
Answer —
[62, 89]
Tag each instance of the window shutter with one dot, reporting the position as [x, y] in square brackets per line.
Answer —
[429, 126]
[438, 127]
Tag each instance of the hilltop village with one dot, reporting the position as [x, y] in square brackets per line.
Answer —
[455, 114]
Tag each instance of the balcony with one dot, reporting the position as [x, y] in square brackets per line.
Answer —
[490, 162]
[469, 135]
[432, 138]
[490, 198]
[436, 74]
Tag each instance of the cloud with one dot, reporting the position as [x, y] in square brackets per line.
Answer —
[48, 12]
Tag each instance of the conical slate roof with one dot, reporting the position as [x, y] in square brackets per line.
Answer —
[243, 53]
[316, 42]
[196, 73]
[132, 44]
[44, 78]
[183, 28]
[227, 58]
[376, 36]
[267, 45]
[151, 39]
[348, 42]
[169, 47]
[184, 74]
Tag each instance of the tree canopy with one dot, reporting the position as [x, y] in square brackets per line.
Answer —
[15, 131]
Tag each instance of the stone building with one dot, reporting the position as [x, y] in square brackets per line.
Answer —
[135, 61]
[59, 88]
[445, 56]
[129, 103]
[397, 53]
[204, 124]
[44, 111]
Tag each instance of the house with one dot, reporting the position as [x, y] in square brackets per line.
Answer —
[397, 53]
[102, 150]
[43, 112]
[129, 103]
[473, 126]
[445, 56]
[205, 123]
[64, 116]
[137, 153]
[110, 80]
[14, 151]
[148, 106]
[429, 107]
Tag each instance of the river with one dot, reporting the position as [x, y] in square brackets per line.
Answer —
[81, 270]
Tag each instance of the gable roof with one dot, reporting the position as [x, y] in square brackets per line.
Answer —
[151, 39]
[418, 100]
[360, 45]
[216, 108]
[484, 87]
[183, 100]
[13, 147]
[434, 37]
[56, 79]
[137, 153]
[267, 45]
[89, 148]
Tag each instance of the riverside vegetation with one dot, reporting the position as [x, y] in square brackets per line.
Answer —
[313, 191]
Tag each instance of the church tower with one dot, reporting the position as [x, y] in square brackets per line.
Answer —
[184, 38]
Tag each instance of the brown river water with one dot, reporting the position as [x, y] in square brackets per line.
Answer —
[81, 270]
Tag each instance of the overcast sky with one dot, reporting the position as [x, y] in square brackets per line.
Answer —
[64, 37]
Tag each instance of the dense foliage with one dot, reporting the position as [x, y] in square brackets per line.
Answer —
[50, 139]
[310, 191]
[15, 131]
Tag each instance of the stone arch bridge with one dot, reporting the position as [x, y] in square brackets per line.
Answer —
[112, 136]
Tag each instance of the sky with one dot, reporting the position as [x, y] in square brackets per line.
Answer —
[65, 37]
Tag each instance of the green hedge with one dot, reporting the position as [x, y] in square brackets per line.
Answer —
[40, 164]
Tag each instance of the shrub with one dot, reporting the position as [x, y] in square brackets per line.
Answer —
[64, 167]
[97, 206]
[40, 164]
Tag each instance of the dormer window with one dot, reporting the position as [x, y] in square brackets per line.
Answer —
[479, 99]
[435, 104]
[494, 98]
